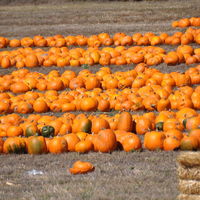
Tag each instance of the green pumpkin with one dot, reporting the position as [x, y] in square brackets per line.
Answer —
[159, 126]
[47, 131]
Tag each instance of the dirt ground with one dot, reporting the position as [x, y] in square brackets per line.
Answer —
[117, 176]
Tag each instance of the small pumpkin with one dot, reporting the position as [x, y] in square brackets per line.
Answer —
[80, 167]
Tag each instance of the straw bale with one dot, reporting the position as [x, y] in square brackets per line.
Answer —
[189, 187]
[189, 159]
[188, 197]
[191, 173]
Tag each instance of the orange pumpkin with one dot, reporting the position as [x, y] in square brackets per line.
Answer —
[154, 140]
[131, 143]
[84, 146]
[72, 139]
[104, 141]
[171, 143]
[125, 122]
[99, 124]
[1, 145]
[80, 167]
[57, 145]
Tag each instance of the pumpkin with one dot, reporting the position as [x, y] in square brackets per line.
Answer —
[154, 140]
[125, 122]
[31, 130]
[81, 125]
[84, 146]
[131, 143]
[47, 131]
[36, 145]
[195, 133]
[72, 139]
[192, 123]
[40, 106]
[80, 167]
[104, 141]
[143, 125]
[14, 145]
[189, 143]
[88, 104]
[13, 131]
[31, 60]
[57, 145]
[175, 133]
[1, 145]
[99, 124]
[171, 143]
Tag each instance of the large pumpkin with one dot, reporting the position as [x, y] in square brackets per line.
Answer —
[36, 145]
[14, 145]
[104, 141]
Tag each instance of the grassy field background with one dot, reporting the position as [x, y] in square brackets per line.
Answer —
[117, 176]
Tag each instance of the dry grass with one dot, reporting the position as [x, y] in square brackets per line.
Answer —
[118, 175]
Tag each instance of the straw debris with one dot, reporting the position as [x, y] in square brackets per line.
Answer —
[189, 187]
[188, 197]
[191, 173]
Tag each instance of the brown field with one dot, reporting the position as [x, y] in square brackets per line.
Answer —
[117, 176]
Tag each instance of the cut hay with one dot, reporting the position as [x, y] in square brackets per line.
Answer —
[189, 187]
[189, 159]
[188, 197]
[191, 173]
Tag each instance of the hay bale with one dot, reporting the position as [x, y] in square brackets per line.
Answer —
[189, 187]
[189, 159]
[191, 173]
[188, 197]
